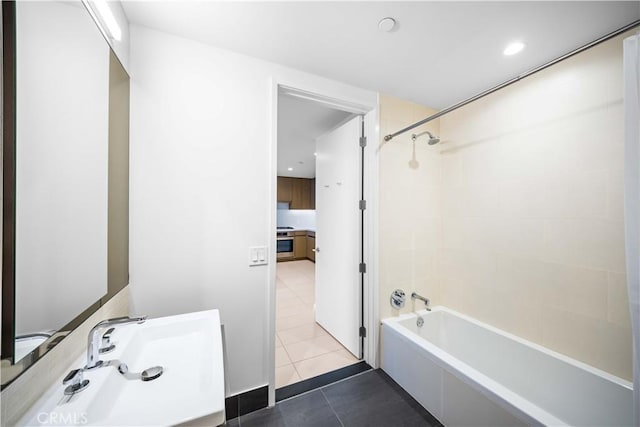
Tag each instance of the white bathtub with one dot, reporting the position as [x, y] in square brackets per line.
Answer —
[468, 373]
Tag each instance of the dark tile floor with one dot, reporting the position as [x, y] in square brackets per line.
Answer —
[369, 399]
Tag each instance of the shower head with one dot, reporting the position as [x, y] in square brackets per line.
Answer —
[432, 138]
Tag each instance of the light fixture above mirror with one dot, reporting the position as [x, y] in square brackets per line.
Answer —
[103, 15]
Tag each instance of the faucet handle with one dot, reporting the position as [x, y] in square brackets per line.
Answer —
[397, 299]
[75, 381]
[107, 346]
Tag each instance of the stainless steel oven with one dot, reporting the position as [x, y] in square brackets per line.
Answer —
[284, 244]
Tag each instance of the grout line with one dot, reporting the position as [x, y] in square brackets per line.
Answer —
[294, 368]
[330, 406]
[288, 355]
[321, 373]
[299, 376]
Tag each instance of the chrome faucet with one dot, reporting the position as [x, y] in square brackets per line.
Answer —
[93, 344]
[421, 298]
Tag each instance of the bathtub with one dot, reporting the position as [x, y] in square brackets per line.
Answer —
[467, 373]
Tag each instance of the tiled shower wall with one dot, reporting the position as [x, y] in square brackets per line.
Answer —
[409, 206]
[532, 210]
[517, 218]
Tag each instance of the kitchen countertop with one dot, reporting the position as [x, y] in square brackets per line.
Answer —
[299, 229]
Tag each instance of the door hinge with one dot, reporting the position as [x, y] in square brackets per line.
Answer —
[363, 267]
[363, 141]
[363, 331]
[362, 204]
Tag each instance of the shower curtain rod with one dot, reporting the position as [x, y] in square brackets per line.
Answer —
[513, 80]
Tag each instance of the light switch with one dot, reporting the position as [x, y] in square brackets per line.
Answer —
[258, 255]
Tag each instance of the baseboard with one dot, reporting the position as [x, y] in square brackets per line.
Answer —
[244, 403]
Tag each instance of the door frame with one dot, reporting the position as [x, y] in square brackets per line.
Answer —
[335, 95]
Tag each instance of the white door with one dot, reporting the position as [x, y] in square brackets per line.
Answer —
[338, 233]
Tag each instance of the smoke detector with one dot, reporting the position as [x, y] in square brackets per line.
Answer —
[386, 25]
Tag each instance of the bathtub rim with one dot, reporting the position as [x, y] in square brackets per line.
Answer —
[500, 394]
[592, 369]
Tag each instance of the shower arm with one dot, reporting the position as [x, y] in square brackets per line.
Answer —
[515, 79]
[418, 135]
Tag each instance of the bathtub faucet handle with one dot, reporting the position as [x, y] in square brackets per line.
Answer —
[415, 296]
[397, 299]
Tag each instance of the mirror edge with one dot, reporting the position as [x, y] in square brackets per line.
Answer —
[8, 178]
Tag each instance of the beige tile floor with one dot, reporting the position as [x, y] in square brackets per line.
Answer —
[303, 348]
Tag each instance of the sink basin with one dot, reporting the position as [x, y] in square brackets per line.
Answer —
[189, 349]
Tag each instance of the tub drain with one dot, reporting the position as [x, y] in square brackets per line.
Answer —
[420, 322]
[151, 373]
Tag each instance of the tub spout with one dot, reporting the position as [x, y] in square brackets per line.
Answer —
[423, 299]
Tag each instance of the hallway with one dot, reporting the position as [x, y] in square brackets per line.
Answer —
[303, 348]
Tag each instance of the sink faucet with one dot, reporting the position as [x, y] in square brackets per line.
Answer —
[423, 299]
[93, 345]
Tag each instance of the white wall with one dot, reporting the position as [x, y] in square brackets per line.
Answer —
[201, 179]
[61, 129]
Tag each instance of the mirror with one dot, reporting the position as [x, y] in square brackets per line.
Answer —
[70, 171]
[62, 103]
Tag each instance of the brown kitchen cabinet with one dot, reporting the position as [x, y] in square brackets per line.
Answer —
[300, 247]
[285, 193]
[311, 245]
[298, 192]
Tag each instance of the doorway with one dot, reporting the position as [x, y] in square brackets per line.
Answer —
[318, 298]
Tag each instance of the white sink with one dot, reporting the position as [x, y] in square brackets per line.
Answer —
[189, 349]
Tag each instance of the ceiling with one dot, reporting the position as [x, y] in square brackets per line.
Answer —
[439, 54]
[300, 122]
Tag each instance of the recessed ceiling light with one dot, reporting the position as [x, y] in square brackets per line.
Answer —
[289, 169]
[386, 24]
[513, 48]
[315, 154]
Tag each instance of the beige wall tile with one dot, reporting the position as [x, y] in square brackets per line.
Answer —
[523, 200]
[618, 310]
[409, 205]
[576, 290]
[568, 333]
[577, 194]
[614, 345]
[522, 318]
[596, 244]
[615, 194]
